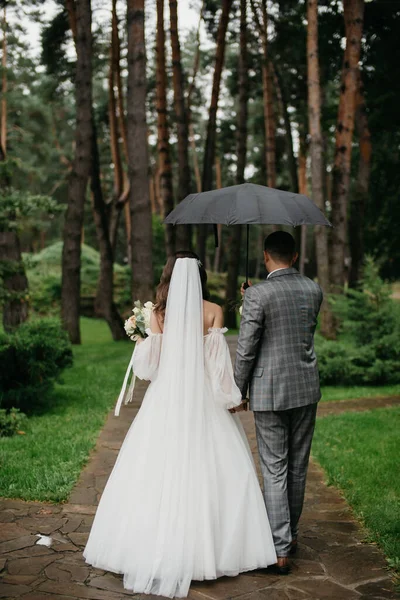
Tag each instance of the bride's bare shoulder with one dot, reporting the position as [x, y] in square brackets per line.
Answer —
[213, 314]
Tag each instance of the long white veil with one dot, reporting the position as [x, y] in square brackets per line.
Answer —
[180, 392]
[183, 348]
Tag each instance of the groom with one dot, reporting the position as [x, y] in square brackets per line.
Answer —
[276, 359]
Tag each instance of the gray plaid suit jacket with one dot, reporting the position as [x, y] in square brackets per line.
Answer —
[275, 354]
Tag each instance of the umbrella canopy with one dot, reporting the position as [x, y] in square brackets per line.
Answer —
[247, 204]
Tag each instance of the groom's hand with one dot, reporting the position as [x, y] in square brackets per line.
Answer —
[243, 289]
[242, 407]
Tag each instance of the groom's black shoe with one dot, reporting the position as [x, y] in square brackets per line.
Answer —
[282, 566]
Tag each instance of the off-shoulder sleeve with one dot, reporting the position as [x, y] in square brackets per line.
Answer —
[143, 364]
[146, 356]
[218, 366]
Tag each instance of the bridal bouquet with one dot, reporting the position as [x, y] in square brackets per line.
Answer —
[136, 325]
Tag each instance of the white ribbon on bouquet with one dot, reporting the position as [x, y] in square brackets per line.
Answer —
[129, 395]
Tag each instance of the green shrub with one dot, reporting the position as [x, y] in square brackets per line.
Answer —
[31, 360]
[11, 421]
[368, 347]
[44, 275]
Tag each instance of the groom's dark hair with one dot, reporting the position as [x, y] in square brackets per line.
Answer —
[281, 246]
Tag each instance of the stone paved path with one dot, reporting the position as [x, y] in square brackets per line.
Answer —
[332, 561]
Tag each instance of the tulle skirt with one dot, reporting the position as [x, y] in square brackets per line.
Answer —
[183, 501]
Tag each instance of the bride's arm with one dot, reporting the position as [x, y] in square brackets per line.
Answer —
[219, 369]
[146, 357]
[155, 323]
[218, 318]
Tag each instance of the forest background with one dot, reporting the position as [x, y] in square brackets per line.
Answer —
[111, 115]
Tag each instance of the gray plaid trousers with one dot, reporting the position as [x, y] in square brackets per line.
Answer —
[284, 442]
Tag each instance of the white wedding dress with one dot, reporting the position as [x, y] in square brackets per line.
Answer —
[183, 501]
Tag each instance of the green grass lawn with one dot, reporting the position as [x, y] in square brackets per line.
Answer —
[45, 463]
[360, 455]
[331, 392]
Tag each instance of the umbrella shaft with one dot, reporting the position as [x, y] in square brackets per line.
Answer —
[247, 255]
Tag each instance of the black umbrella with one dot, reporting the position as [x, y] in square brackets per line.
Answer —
[247, 204]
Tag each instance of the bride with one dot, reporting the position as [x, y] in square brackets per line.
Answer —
[183, 501]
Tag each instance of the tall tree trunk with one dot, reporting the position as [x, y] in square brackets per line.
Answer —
[209, 150]
[353, 16]
[241, 151]
[268, 107]
[104, 301]
[71, 256]
[4, 86]
[164, 159]
[218, 251]
[119, 196]
[104, 304]
[357, 208]
[196, 64]
[282, 96]
[269, 112]
[122, 130]
[302, 178]
[183, 232]
[139, 194]
[316, 151]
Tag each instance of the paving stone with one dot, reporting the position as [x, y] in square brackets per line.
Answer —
[305, 552]
[45, 509]
[110, 582]
[43, 596]
[45, 526]
[346, 527]
[30, 565]
[77, 590]
[267, 594]
[17, 543]
[86, 524]
[9, 503]
[305, 568]
[84, 496]
[10, 531]
[64, 571]
[296, 594]
[71, 524]
[229, 587]
[7, 590]
[333, 515]
[7, 516]
[381, 589]
[354, 564]
[30, 551]
[62, 548]
[79, 539]
[80, 509]
[20, 579]
[315, 543]
[319, 589]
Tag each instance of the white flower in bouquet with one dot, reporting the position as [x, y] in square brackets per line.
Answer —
[130, 325]
[137, 324]
[240, 309]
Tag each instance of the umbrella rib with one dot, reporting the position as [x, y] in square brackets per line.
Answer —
[299, 207]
